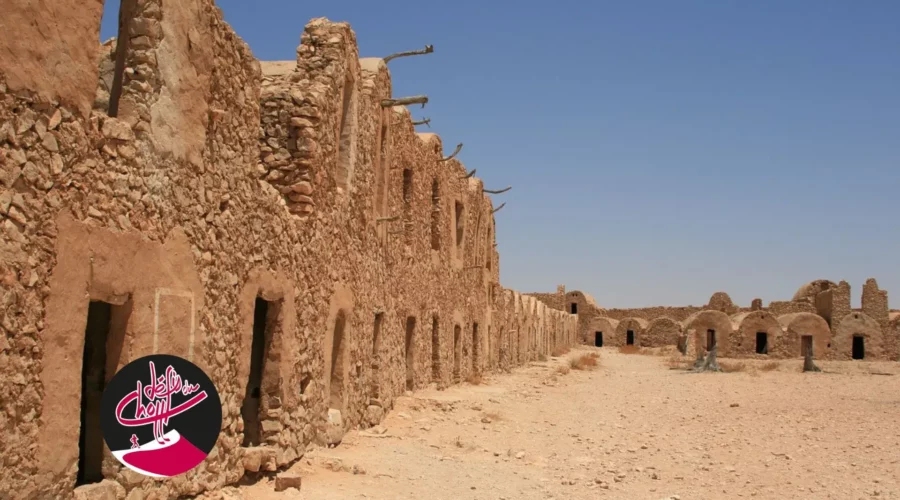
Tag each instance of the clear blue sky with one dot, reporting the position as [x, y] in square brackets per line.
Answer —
[659, 151]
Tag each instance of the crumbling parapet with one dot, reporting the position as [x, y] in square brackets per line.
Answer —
[840, 308]
[290, 114]
[875, 303]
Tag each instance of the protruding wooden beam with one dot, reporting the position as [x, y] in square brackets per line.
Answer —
[470, 174]
[497, 192]
[498, 208]
[427, 50]
[426, 122]
[455, 152]
[403, 101]
[387, 219]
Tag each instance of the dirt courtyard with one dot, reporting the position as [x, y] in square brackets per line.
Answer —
[632, 428]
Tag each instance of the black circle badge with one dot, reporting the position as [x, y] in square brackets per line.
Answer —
[161, 415]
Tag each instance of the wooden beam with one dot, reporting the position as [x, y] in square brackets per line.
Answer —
[427, 50]
[403, 101]
[455, 152]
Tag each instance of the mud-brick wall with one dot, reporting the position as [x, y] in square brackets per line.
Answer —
[207, 192]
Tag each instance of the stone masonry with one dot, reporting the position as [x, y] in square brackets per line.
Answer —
[203, 198]
[819, 313]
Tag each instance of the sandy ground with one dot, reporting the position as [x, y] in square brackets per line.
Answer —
[633, 428]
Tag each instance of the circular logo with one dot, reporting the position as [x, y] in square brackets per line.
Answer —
[161, 415]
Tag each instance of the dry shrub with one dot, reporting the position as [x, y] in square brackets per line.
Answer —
[475, 379]
[562, 369]
[732, 366]
[587, 361]
[676, 362]
[629, 349]
[542, 357]
[560, 351]
[770, 366]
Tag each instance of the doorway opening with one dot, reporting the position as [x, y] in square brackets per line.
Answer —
[410, 352]
[859, 347]
[346, 146]
[253, 409]
[460, 224]
[762, 343]
[435, 215]
[457, 351]
[336, 384]
[629, 337]
[476, 347]
[490, 350]
[382, 167]
[435, 349]
[710, 339]
[407, 184]
[376, 338]
[103, 340]
[376, 354]
[574, 308]
[598, 339]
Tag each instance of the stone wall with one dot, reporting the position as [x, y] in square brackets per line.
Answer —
[651, 313]
[553, 300]
[782, 307]
[216, 190]
[782, 322]
[875, 302]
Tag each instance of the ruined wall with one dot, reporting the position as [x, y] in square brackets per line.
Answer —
[809, 291]
[840, 306]
[212, 190]
[553, 300]
[817, 310]
[782, 307]
[875, 303]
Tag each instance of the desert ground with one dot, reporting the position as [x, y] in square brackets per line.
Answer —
[636, 426]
